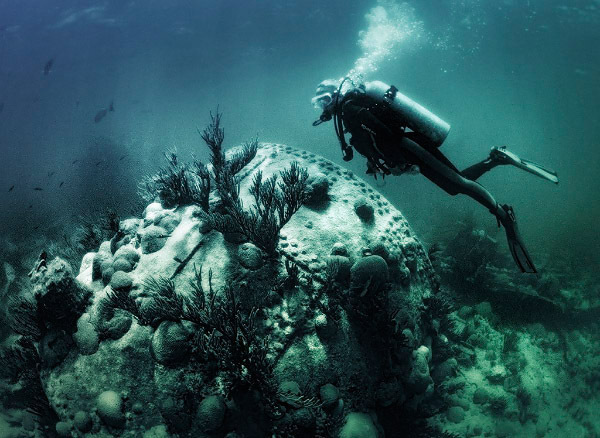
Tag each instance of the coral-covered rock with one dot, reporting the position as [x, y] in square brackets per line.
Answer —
[329, 395]
[480, 396]
[211, 413]
[128, 253]
[289, 391]
[117, 326]
[168, 220]
[419, 379]
[341, 266]
[55, 347]
[109, 406]
[63, 429]
[102, 260]
[82, 421]
[175, 413]
[359, 425]
[249, 256]
[60, 298]
[152, 213]
[107, 274]
[171, 343]
[390, 392]
[369, 273]
[339, 249]
[456, 414]
[121, 280]
[317, 190]
[86, 337]
[313, 336]
[153, 238]
[364, 210]
[444, 370]
[122, 264]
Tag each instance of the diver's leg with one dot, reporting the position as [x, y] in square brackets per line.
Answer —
[476, 170]
[454, 183]
[501, 156]
[495, 158]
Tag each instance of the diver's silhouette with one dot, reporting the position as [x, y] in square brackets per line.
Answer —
[397, 135]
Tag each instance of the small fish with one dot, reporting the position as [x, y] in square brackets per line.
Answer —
[38, 189]
[100, 115]
[98, 163]
[51, 173]
[61, 184]
[48, 67]
[11, 188]
[123, 157]
[111, 106]
[36, 227]
[75, 161]
[177, 259]
[30, 206]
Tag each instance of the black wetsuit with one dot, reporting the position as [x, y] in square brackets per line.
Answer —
[379, 135]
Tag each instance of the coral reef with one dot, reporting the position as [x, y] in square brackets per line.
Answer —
[273, 293]
[250, 336]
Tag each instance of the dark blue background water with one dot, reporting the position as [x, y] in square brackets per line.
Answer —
[521, 73]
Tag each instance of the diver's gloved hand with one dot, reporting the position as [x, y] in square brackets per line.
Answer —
[506, 216]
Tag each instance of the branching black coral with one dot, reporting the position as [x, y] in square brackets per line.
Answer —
[165, 303]
[224, 169]
[227, 334]
[121, 299]
[20, 364]
[240, 159]
[23, 318]
[274, 204]
[202, 184]
[231, 340]
[438, 307]
[274, 201]
[178, 184]
[213, 135]
[17, 358]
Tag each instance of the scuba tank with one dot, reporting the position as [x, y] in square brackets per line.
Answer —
[416, 117]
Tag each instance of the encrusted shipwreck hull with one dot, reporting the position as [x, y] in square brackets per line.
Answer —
[338, 310]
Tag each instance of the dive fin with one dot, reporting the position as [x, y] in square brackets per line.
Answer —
[539, 170]
[515, 243]
[521, 257]
[505, 156]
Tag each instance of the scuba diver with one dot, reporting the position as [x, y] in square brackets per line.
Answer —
[397, 135]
